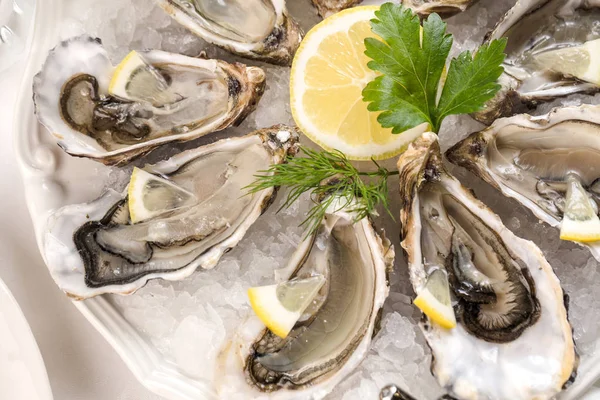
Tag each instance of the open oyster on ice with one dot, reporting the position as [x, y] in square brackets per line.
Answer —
[534, 28]
[421, 7]
[334, 333]
[172, 98]
[513, 339]
[532, 159]
[259, 29]
[97, 248]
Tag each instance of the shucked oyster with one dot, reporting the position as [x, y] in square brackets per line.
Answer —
[95, 248]
[531, 159]
[201, 96]
[259, 29]
[421, 7]
[513, 339]
[534, 27]
[333, 335]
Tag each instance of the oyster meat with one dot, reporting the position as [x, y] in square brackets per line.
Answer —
[534, 27]
[513, 339]
[334, 333]
[258, 29]
[72, 101]
[531, 159]
[422, 7]
[95, 248]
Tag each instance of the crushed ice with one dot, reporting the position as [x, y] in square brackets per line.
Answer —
[187, 320]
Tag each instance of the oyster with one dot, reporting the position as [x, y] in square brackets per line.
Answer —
[533, 27]
[513, 339]
[421, 7]
[334, 334]
[531, 158]
[258, 29]
[72, 102]
[94, 248]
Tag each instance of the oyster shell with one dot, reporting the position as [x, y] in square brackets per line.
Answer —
[535, 26]
[529, 158]
[258, 29]
[94, 248]
[329, 7]
[443, 7]
[72, 102]
[509, 304]
[422, 7]
[334, 334]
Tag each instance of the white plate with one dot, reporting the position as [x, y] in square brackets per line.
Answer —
[22, 371]
[53, 179]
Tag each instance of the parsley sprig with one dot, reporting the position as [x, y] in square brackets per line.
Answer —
[411, 89]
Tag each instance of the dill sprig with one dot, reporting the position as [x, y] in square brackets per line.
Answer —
[322, 174]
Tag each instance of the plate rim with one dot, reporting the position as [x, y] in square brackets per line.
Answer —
[15, 314]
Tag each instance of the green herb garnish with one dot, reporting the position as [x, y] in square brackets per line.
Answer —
[323, 173]
[409, 92]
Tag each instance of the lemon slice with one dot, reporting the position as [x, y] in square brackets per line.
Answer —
[136, 80]
[150, 196]
[582, 62]
[580, 222]
[434, 300]
[280, 306]
[328, 75]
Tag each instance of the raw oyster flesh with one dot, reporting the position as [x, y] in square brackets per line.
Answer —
[334, 334]
[72, 102]
[531, 159]
[513, 339]
[94, 248]
[258, 29]
[534, 27]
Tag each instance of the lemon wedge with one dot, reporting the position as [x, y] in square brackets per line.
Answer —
[136, 80]
[280, 306]
[434, 300]
[328, 76]
[582, 62]
[150, 195]
[580, 222]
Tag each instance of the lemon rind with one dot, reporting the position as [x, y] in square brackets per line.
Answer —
[118, 79]
[581, 231]
[441, 314]
[139, 178]
[276, 318]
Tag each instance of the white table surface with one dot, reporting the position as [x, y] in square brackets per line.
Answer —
[80, 363]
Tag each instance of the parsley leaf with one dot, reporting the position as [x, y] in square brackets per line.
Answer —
[412, 59]
[472, 81]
